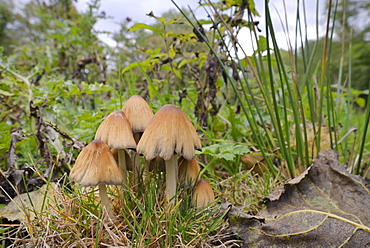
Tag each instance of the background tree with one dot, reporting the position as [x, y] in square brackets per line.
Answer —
[54, 36]
[8, 33]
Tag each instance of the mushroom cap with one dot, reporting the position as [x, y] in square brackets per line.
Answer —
[116, 131]
[169, 131]
[188, 170]
[96, 165]
[138, 113]
[202, 194]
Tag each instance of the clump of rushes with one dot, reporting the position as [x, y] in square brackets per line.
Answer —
[169, 132]
[202, 194]
[95, 165]
[138, 114]
[116, 131]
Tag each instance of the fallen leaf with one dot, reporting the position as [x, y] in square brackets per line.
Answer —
[324, 207]
[27, 206]
[255, 162]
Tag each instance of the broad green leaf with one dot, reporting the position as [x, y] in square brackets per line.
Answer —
[174, 70]
[139, 26]
[226, 151]
[174, 21]
[134, 65]
[356, 92]
[172, 52]
[79, 42]
[204, 22]
[262, 43]
[60, 37]
[361, 102]
[6, 93]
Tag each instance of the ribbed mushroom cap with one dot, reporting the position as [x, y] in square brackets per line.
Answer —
[188, 170]
[94, 165]
[202, 194]
[116, 131]
[169, 131]
[138, 113]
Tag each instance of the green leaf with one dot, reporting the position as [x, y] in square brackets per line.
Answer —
[172, 52]
[356, 92]
[5, 93]
[169, 68]
[139, 26]
[161, 19]
[262, 43]
[134, 65]
[226, 151]
[174, 21]
[56, 36]
[361, 102]
[79, 42]
[204, 22]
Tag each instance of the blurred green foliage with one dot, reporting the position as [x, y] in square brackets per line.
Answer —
[58, 78]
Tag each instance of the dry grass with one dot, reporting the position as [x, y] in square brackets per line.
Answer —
[73, 218]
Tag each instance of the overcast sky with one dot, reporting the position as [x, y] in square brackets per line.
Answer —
[137, 10]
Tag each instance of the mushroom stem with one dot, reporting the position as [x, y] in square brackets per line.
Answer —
[172, 172]
[104, 200]
[136, 162]
[136, 169]
[122, 164]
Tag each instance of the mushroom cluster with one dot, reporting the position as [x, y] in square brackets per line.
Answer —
[156, 136]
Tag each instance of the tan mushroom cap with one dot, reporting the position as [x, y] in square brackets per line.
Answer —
[188, 170]
[169, 131]
[96, 165]
[116, 131]
[138, 113]
[202, 194]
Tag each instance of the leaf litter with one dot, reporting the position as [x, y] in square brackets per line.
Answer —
[325, 206]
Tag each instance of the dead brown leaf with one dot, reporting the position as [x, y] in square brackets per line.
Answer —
[324, 207]
[255, 162]
[27, 206]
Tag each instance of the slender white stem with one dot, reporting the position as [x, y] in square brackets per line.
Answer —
[104, 200]
[136, 169]
[122, 164]
[171, 177]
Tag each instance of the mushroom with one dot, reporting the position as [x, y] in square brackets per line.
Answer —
[138, 114]
[169, 131]
[116, 131]
[188, 171]
[127, 157]
[95, 165]
[202, 194]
